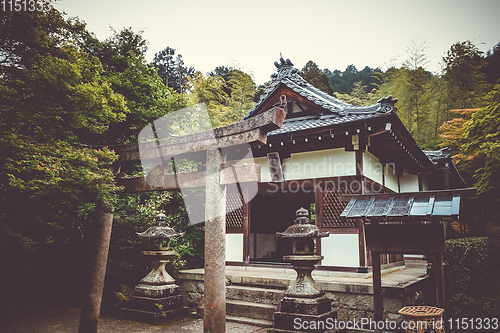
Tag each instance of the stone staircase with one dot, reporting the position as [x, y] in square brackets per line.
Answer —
[251, 304]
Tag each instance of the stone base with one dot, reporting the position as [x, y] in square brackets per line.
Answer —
[154, 317]
[154, 310]
[310, 306]
[155, 304]
[304, 315]
[155, 291]
[296, 322]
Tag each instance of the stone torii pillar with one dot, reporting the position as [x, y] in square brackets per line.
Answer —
[214, 315]
[252, 132]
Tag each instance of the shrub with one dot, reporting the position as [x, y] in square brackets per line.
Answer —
[472, 287]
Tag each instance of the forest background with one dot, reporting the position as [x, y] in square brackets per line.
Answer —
[66, 97]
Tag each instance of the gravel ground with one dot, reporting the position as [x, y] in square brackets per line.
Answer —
[66, 320]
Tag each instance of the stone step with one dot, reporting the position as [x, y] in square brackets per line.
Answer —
[250, 321]
[250, 310]
[254, 294]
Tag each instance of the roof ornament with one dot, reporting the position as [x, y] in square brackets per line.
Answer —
[387, 104]
[285, 69]
[284, 62]
[282, 101]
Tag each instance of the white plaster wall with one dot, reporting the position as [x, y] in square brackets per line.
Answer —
[408, 183]
[391, 180]
[317, 164]
[340, 250]
[265, 174]
[372, 167]
[234, 247]
[265, 243]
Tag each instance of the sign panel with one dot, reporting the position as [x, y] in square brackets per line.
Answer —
[405, 238]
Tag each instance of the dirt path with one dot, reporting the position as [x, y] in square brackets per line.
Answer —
[66, 320]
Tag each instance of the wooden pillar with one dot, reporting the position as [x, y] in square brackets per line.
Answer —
[377, 286]
[383, 176]
[318, 203]
[359, 170]
[246, 226]
[361, 240]
[214, 320]
[439, 275]
[446, 174]
[91, 307]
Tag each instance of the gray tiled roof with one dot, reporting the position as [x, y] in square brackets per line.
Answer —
[289, 76]
[438, 155]
[436, 204]
[294, 125]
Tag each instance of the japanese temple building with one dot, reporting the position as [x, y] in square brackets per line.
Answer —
[326, 148]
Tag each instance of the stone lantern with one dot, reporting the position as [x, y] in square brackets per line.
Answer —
[303, 299]
[156, 297]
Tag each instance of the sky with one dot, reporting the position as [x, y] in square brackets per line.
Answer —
[250, 35]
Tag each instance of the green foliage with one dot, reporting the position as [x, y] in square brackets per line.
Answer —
[463, 306]
[464, 75]
[472, 287]
[137, 212]
[50, 190]
[316, 77]
[467, 266]
[124, 295]
[482, 134]
[413, 88]
[53, 101]
[474, 137]
[358, 96]
[57, 95]
[172, 70]
[227, 98]
[432, 144]
[26, 35]
[343, 82]
[145, 95]
[63, 94]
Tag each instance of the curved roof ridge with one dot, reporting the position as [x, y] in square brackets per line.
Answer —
[288, 75]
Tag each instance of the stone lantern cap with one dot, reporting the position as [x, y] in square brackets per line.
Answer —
[302, 227]
[161, 229]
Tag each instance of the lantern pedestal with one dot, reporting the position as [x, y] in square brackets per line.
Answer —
[304, 307]
[156, 298]
[304, 303]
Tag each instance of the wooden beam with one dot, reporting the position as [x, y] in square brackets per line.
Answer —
[380, 129]
[197, 179]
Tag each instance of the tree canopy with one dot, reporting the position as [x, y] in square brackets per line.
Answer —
[316, 77]
[172, 70]
[227, 92]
